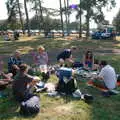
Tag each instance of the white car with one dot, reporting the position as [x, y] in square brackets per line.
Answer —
[105, 35]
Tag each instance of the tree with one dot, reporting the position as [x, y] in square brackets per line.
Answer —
[61, 15]
[27, 17]
[39, 12]
[93, 9]
[74, 26]
[116, 22]
[20, 14]
[3, 25]
[79, 15]
[12, 9]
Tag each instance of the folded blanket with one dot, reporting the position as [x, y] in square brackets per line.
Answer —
[90, 83]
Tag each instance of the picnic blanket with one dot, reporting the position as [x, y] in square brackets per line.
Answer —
[85, 73]
[118, 83]
[90, 83]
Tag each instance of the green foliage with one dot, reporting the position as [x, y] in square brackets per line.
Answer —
[116, 22]
[12, 8]
[93, 9]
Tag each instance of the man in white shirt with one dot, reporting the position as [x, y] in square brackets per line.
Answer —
[107, 76]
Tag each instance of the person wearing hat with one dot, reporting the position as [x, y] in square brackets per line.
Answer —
[14, 62]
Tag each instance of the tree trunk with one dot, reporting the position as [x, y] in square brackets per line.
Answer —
[36, 12]
[20, 14]
[66, 16]
[27, 17]
[61, 15]
[88, 25]
[41, 21]
[80, 14]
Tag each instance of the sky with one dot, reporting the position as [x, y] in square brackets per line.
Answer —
[109, 15]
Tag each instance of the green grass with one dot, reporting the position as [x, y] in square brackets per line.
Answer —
[60, 108]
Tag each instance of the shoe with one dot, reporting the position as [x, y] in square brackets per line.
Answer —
[88, 98]
[106, 94]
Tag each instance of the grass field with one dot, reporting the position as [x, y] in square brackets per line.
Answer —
[60, 108]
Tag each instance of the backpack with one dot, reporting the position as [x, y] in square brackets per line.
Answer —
[30, 106]
[67, 88]
[66, 83]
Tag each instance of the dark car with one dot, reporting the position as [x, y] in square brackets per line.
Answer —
[96, 35]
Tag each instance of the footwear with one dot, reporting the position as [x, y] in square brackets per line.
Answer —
[88, 98]
[106, 94]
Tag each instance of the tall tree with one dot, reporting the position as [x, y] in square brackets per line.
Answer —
[80, 17]
[61, 15]
[68, 16]
[20, 15]
[27, 17]
[93, 9]
[12, 13]
[41, 14]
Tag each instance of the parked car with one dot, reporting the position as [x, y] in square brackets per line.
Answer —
[96, 35]
[101, 35]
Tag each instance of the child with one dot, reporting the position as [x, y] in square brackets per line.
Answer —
[41, 60]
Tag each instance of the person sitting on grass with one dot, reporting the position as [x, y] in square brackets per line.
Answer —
[41, 61]
[14, 62]
[65, 57]
[5, 80]
[96, 65]
[88, 60]
[106, 78]
[23, 83]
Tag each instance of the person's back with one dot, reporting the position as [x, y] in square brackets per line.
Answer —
[109, 76]
[64, 54]
[22, 83]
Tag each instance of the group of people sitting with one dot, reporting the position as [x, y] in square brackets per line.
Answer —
[106, 77]
[22, 82]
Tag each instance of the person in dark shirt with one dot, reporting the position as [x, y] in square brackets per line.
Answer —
[22, 84]
[14, 62]
[66, 56]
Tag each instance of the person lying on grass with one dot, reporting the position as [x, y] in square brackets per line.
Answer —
[41, 61]
[14, 62]
[65, 57]
[107, 76]
[23, 83]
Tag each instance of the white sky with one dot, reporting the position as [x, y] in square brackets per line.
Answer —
[55, 4]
